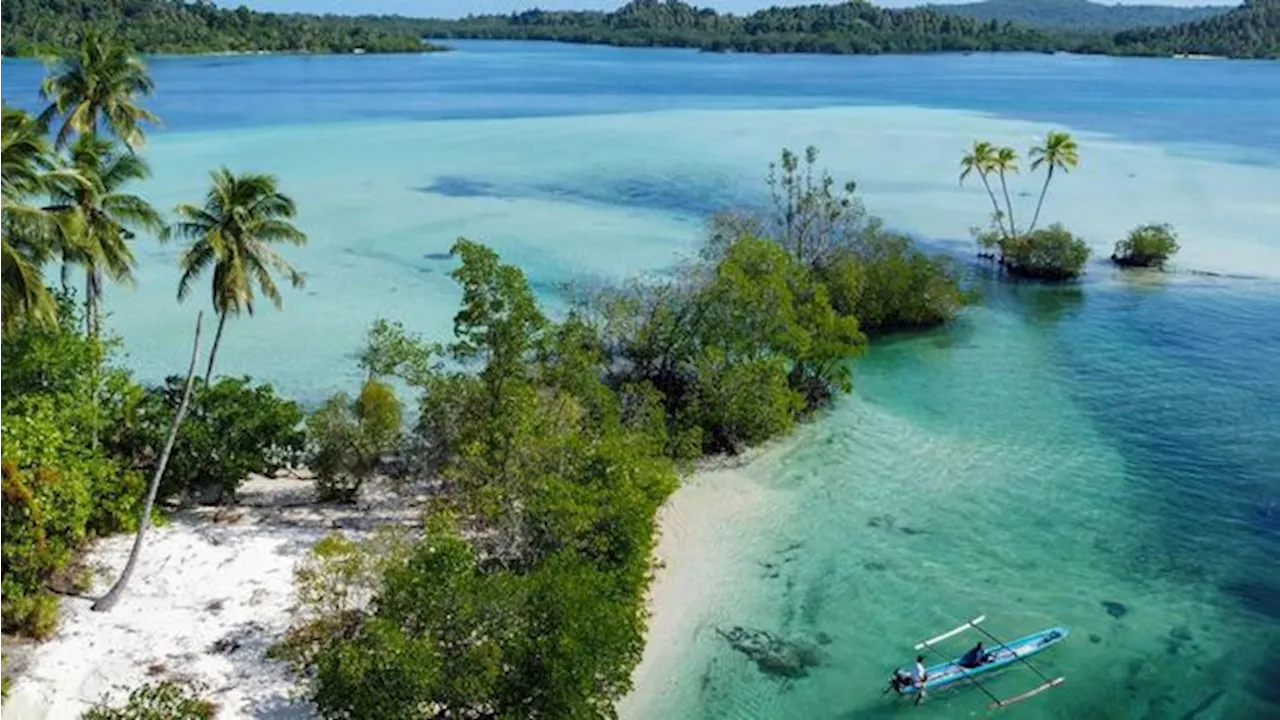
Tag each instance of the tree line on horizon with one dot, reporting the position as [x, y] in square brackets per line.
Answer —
[858, 27]
[1251, 30]
[48, 27]
[1082, 16]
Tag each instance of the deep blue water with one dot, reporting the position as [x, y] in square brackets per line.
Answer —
[1178, 102]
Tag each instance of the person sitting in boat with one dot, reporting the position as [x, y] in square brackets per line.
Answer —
[975, 657]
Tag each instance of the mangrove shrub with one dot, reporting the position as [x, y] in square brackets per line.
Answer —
[1146, 246]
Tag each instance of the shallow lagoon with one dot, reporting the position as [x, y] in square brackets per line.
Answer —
[1054, 451]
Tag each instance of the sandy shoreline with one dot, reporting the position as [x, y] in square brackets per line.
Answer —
[703, 537]
[214, 590]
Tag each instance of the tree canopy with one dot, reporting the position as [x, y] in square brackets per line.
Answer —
[1081, 16]
[36, 27]
[858, 27]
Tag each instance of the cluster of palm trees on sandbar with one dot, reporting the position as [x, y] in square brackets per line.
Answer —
[66, 199]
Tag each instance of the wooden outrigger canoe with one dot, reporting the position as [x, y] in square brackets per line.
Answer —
[1001, 655]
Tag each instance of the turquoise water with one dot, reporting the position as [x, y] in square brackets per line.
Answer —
[1055, 450]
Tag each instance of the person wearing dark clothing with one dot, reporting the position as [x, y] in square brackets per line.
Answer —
[974, 658]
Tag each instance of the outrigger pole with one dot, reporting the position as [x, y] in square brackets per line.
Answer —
[951, 633]
[1030, 693]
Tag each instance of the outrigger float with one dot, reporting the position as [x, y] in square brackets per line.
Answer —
[1002, 655]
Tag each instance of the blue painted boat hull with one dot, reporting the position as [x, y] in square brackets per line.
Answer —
[949, 673]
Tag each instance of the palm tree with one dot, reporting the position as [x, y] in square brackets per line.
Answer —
[1005, 162]
[1059, 151]
[99, 82]
[981, 159]
[27, 232]
[242, 216]
[104, 218]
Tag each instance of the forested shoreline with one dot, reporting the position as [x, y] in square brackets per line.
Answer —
[173, 26]
[1250, 31]
[49, 27]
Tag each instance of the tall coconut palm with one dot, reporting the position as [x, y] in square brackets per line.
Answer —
[99, 83]
[1005, 163]
[1059, 151]
[104, 217]
[980, 159]
[26, 231]
[242, 216]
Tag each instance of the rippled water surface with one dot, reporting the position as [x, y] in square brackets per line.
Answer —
[1104, 456]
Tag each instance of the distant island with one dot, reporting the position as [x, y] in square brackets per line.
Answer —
[1082, 16]
[1251, 30]
[45, 27]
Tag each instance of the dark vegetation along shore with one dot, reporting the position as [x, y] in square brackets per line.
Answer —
[39, 27]
[1252, 30]
[1082, 16]
[154, 26]
[550, 441]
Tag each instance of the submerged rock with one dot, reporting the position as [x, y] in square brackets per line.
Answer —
[1095, 638]
[1115, 609]
[772, 654]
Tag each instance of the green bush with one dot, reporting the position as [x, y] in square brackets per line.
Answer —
[539, 610]
[1051, 253]
[742, 404]
[1146, 246]
[57, 496]
[159, 701]
[890, 285]
[334, 583]
[350, 438]
[232, 428]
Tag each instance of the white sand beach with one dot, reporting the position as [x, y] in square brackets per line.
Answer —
[212, 592]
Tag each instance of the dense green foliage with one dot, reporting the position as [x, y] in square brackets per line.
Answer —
[34, 27]
[1146, 246]
[539, 613]
[350, 438]
[862, 28]
[60, 490]
[158, 701]
[1081, 16]
[853, 27]
[31, 234]
[1051, 253]
[1251, 30]
[233, 428]
[556, 440]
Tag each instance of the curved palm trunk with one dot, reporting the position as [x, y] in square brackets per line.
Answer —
[1043, 189]
[213, 352]
[108, 601]
[1013, 231]
[995, 205]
